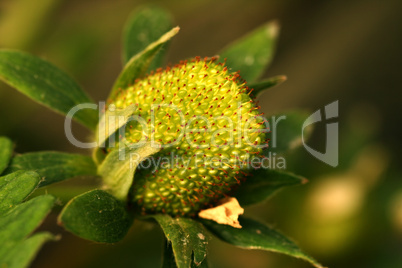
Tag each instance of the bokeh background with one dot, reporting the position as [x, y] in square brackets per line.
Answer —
[348, 216]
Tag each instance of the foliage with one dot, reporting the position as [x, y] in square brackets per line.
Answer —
[104, 215]
[18, 219]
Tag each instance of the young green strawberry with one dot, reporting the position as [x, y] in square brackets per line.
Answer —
[209, 129]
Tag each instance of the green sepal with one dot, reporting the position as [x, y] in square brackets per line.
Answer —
[255, 235]
[187, 239]
[262, 183]
[143, 27]
[168, 260]
[138, 65]
[252, 53]
[118, 168]
[261, 87]
[112, 120]
[97, 216]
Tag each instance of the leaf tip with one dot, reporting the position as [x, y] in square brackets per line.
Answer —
[167, 36]
[318, 265]
[273, 28]
[57, 237]
[279, 79]
[304, 181]
[59, 220]
[282, 78]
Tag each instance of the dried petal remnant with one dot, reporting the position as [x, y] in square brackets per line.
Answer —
[226, 213]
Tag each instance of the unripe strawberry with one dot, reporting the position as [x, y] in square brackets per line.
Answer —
[209, 129]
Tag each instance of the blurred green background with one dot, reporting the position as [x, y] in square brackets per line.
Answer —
[348, 216]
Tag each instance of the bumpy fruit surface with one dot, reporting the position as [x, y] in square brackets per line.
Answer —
[208, 126]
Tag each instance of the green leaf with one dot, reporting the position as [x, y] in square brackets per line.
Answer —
[139, 64]
[14, 188]
[145, 26]
[46, 84]
[96, 216]
[23, 253]
[286, 131]
[168, 257]
[6, 151]
[252, 54]
[20, 221]
[263, 183]
[118, 168]
[260, 87]
[204, 264]
[187, 237]
[54, 166]
[254, 235]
